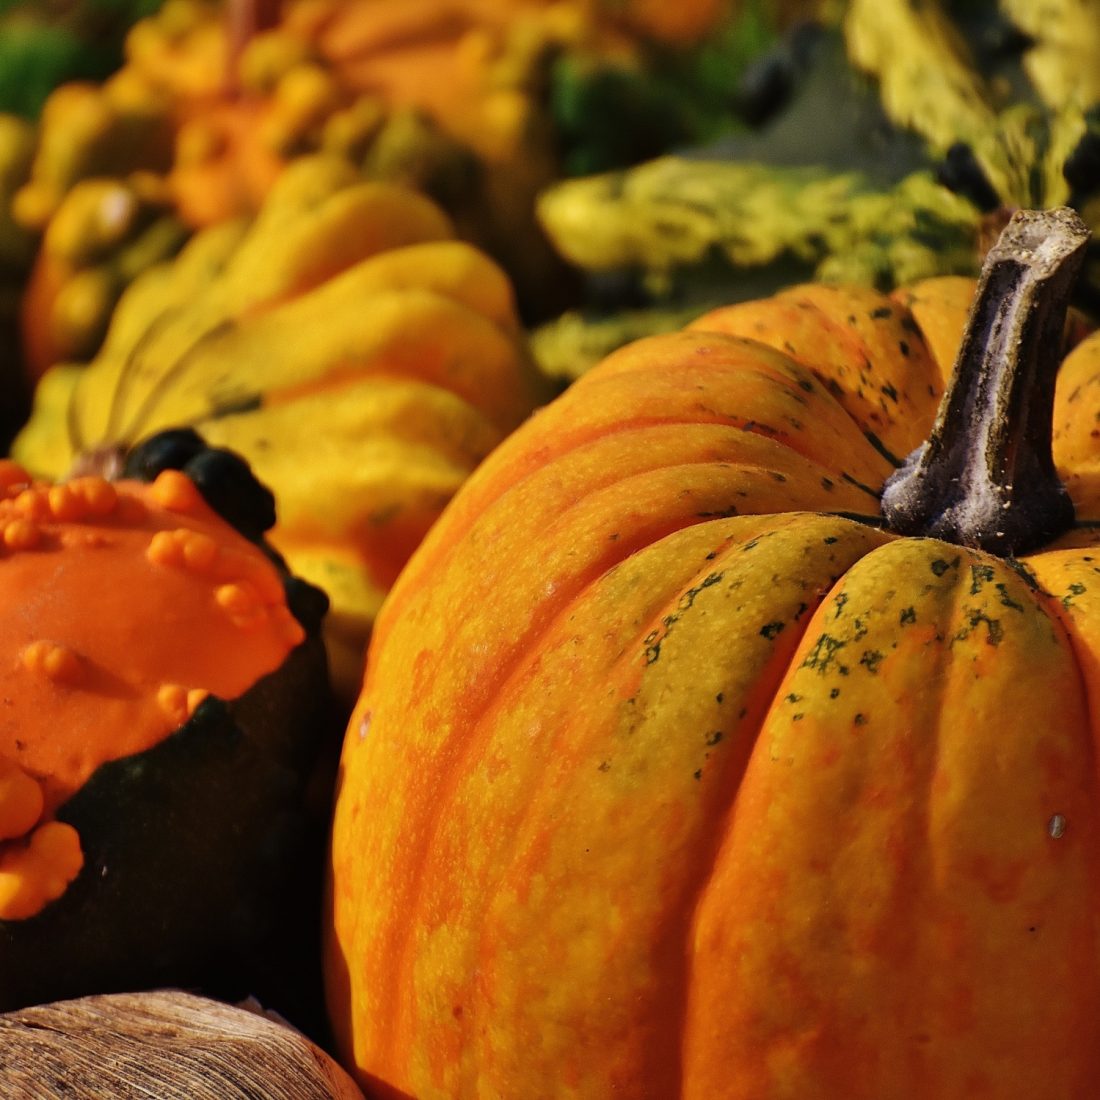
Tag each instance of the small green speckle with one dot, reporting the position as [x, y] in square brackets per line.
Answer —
[939, 566]
[871, 659]
[994, 632]
[979, 576]
[771, 630]
[860, 719]
[714, 738]
[1076, 589]
[834, 692]
[688, 598]
[823, 654]
[908, 616]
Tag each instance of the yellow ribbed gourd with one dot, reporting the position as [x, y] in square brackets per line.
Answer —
[360, 357]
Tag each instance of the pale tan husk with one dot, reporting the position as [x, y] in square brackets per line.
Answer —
[168, 1044]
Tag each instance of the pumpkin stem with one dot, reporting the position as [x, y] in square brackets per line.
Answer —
[985, 478]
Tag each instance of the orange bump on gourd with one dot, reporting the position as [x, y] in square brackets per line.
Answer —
[84, 683]
[178, 703]
[174, 491]
[21, 800]
[37, 872]
[56, 662]
[183, 549]
[21, 534]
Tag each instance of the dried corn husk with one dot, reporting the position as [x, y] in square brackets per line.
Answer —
[165, 1044]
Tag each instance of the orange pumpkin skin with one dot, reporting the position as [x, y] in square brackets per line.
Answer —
[667, 779]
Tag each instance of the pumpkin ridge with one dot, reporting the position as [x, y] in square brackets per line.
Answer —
[478, 703]
[886, 311]
[432, 553]
[1061, 610]
[920, 791]
[475, 729]
[846, 336]
[847, 379]
[514, 471]
[794, 441]
[794, 375]
[769, 693]
[666, 1059]
[734, 423]
[677, 980]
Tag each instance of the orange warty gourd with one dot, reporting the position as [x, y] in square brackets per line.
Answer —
[165, 705]
[692, 762]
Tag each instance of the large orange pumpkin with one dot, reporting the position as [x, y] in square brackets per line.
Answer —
[678, 772]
